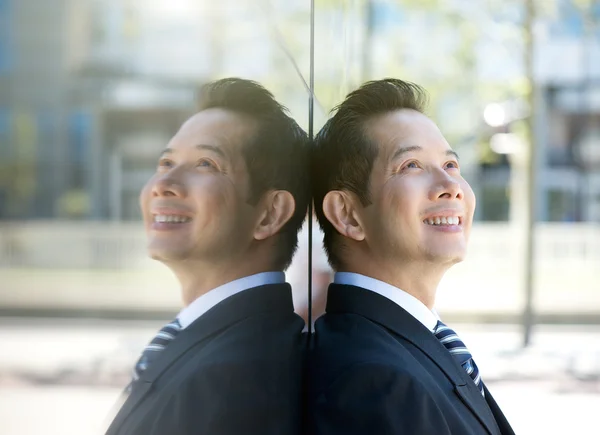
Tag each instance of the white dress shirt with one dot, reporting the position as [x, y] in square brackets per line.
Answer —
[412, 305]
[211, 298]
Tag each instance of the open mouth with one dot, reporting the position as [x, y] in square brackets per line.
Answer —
[443, 220]
[171, 219]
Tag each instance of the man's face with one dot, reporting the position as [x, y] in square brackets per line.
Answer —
[422, 209]
[195, 206]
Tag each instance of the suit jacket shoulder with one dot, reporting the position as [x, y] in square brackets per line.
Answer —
[368, 344]
[374, 397]
[237, 369]
[249, 389]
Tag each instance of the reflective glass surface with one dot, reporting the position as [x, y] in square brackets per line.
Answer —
[92, 90]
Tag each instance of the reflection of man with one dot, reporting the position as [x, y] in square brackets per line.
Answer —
[223, 212]
[396, 214]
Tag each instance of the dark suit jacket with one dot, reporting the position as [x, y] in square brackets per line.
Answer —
[235, 370]
[375, 369]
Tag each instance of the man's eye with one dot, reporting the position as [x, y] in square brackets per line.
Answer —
[165, 163]
[206, 163]
[452, 165]
[411, 165]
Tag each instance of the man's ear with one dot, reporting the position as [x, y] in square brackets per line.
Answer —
[339, 208]
[278, 208]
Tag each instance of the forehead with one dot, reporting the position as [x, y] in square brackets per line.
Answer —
[215, 127]
[405, 127]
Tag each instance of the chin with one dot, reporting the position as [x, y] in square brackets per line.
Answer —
[455, 260]
[165, 255]
[446, 257]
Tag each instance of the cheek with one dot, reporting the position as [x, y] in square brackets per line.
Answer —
[399, 201]
[214, 200]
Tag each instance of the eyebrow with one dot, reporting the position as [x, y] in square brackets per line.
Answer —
[400, 151]
[212, 148]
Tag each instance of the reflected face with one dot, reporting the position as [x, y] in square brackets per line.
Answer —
[195, 205]
[422, 208]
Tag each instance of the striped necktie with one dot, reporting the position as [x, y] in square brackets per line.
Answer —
[152, 349]
[459, 351]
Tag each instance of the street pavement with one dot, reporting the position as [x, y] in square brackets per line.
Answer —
[64, 376]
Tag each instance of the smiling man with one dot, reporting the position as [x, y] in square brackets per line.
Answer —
[396, 215]
[223, 211]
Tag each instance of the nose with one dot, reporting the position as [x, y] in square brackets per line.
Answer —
[445, 186]
[169, 185]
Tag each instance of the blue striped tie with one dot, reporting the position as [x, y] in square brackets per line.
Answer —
[152, 349]
[459, 351]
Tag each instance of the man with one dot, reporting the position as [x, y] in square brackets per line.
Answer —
[396, 215]
[223, 211]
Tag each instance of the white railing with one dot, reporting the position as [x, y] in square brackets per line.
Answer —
[121, 246]
[104, 265]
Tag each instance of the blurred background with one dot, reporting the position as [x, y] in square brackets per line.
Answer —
[92, 90]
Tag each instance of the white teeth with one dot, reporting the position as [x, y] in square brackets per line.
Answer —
[161, 218]
[449, 220]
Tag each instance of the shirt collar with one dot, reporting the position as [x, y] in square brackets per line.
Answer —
[412, 305]
[211, 298]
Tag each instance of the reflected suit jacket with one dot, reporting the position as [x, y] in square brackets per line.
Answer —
[236, 370]
[375, 369]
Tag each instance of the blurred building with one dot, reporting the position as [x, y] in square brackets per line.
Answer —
[471, 56]
[92, 90]
[567, 72]
[74, 112]
[566, 76]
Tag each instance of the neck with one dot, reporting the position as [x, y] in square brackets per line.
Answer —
[419, 279]
[198, 278]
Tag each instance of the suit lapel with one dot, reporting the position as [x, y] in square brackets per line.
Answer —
[274, 298]
[351, 299]
[473, 399]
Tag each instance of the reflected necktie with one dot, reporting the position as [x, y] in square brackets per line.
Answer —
[459, 351]
[152, 349]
